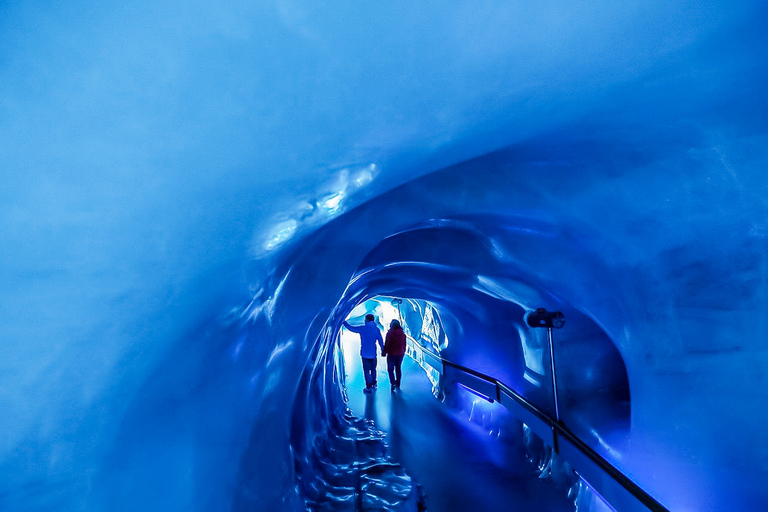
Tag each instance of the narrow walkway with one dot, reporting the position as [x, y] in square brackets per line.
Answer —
[458, 465]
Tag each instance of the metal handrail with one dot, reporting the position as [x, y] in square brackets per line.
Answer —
[557, 427]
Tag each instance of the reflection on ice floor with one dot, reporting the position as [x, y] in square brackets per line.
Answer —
[458, 465]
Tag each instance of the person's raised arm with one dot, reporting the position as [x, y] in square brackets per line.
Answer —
[353, 328]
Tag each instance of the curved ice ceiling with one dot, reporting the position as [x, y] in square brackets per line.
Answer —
[179, 184]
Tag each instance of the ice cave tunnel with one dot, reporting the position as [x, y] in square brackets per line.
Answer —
[196, 196]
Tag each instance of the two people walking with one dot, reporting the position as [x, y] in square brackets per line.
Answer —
[393, 348]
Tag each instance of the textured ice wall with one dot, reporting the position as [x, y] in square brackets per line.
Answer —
[655, 276]
[155, 156]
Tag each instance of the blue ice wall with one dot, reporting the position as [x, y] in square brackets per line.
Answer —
[178, 184]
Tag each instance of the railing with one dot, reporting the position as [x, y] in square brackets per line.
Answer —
[590, 465]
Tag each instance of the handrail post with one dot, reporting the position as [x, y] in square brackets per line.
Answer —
[555, 440]
[554, 376]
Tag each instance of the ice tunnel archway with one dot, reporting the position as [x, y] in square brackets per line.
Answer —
[188, 187]
[548, 246]
[482, 297]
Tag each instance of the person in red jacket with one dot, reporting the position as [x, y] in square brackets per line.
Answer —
[394, 349]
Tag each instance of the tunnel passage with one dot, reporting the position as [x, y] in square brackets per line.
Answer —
[480, 293]
[481, 297]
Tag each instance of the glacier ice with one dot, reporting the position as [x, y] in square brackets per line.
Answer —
[193, 196]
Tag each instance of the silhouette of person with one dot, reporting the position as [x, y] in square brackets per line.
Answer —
[394, 349]
[369, 335]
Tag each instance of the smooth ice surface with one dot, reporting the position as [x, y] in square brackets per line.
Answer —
[186, 189]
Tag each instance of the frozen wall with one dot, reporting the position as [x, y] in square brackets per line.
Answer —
[177, 184]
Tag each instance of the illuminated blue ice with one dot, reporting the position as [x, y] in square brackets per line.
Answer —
[187, 190]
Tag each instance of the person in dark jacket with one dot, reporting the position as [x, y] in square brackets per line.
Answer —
[369, 335]
[394, 349]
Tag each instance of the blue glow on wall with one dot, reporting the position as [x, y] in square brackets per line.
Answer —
[194, 195]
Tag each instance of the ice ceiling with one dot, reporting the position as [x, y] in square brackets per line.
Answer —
[187, 188]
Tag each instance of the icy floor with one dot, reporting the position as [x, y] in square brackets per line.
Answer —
[458, 465]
